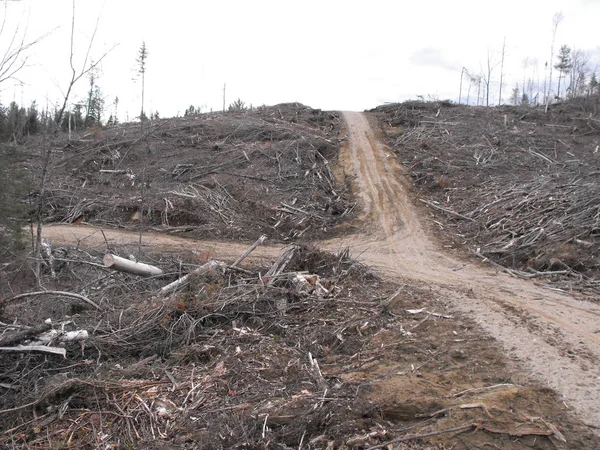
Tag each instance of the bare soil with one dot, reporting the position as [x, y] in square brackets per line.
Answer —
[433, 351]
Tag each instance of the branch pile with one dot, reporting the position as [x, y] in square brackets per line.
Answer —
[518, 186]
[233, 175]
[310, 350]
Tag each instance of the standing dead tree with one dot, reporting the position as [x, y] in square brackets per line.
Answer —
[86, 67]
[502, 72]
[487, 74]
[556, 19]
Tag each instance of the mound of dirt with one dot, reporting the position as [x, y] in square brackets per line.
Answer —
[515, 185]
[228, 175]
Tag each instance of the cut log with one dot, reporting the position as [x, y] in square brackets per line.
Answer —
[22, 335]
[125, 265]
[36, 348]
[250, 249]
[66, 336]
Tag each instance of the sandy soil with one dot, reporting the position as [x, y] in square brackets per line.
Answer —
[556, 336]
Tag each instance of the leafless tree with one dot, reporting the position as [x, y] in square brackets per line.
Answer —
[75, 77]
[556, 19]
[579, 72]
[502, 71]
[14, 57]
[486, 74]
[85, 67]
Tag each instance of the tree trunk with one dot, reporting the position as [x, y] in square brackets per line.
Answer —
[125, 265]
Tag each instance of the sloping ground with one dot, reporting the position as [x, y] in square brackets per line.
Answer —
[234, 362]
[228, 176]
[515, 184]
[403, 366]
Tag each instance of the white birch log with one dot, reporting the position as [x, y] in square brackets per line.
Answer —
[125, 265]
[36, 348]
[61, 336]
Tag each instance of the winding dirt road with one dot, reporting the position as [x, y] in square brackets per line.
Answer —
[556, 336]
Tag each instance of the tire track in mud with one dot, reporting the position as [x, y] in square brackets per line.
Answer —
[556, 336]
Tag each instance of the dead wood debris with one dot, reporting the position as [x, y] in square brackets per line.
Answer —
[234, 175]
[517, 193]
[246, 355]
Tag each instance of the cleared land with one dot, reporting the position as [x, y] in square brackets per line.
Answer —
[412, 351]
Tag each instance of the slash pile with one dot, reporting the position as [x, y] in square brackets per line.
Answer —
[517, 185]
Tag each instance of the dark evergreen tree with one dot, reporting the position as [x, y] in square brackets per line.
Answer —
[564, 64]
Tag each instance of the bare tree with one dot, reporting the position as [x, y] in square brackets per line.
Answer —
[556, 19]
[502, 71]
[473, 80]
[14, 57]
[487, 75]
[75, 77]
[579, 72]
[85, 68]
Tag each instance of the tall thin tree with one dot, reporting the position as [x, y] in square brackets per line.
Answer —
[556, 19]
[502, 71]
[563, 65]
[141, 70]
[75, 77]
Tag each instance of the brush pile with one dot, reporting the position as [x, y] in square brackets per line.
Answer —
[216, 175]
[309, 350]
[518, 186]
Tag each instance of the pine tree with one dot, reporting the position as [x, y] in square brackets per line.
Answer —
[238, 105]
[564, 64]
[141, 70]
[593, 85]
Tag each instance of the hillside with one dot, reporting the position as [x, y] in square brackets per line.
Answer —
[355, 325]
[514, 185]
[224, 176]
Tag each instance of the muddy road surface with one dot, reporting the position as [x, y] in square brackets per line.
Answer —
[556, 336]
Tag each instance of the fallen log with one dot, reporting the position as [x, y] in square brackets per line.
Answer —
[36, 348]
[447, 211]
[61, 336]
[22, 335]
[249, 250]
[125, 265]
[35, 294]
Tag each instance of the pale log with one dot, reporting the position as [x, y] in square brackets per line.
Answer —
[125, 265]
[250, 249]
[36, 348]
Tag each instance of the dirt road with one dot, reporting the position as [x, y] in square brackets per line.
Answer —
[556, 336]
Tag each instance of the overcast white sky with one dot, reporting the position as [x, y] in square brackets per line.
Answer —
[324, 53]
